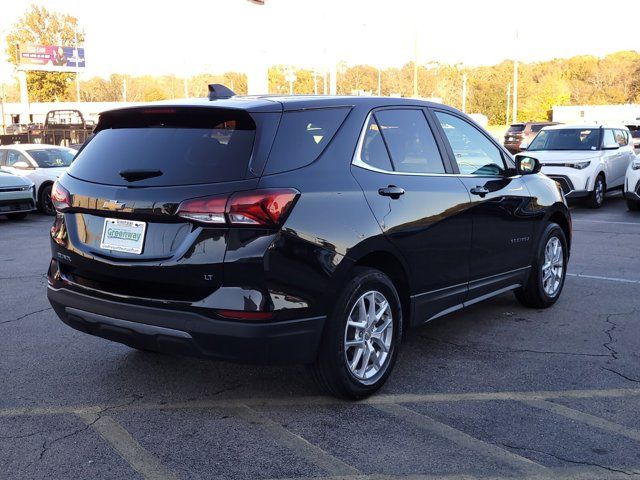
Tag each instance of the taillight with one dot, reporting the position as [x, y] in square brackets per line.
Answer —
[205, 210]
[60, 197]
[265, 208]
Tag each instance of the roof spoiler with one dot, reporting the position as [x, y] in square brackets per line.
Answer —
[217, 91]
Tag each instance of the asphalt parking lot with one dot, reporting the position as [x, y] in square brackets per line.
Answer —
[496, 391]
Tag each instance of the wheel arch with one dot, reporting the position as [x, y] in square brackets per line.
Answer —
[564, 222]
[41, 188]
[392, 266]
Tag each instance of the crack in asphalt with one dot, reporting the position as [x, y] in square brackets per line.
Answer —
[609, 333]
[25, 316]
[621, 375]
[523, 350]
[46, 445]
[568, 460]
[613, 353]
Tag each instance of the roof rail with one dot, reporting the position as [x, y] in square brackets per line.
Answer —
[217, 91]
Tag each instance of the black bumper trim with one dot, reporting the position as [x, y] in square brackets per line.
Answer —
[189, 333]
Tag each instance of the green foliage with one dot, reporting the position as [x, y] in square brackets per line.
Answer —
[43, 27]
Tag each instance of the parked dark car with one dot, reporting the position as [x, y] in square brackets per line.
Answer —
[519, 133]
[311, 230]
[634, 129]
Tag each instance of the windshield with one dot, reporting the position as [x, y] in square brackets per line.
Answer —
[567, 139]
[52, 157]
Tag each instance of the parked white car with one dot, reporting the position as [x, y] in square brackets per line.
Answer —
[586, 160]
[17, 196]
[42, 164]
[632, 185]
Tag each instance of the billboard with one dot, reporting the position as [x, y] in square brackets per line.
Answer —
[52, 58]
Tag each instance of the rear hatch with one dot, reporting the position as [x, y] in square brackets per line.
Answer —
[126, 188]
[514, 133]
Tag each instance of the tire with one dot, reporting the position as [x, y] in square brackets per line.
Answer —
[332, 370]
[17, 216]
[633, 204]
[534, 294]
[45, 205]
[596, 198]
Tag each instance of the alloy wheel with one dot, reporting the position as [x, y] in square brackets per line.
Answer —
[553, 266]
[367, 337]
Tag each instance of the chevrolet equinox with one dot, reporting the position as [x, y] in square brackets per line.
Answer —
[299, 229]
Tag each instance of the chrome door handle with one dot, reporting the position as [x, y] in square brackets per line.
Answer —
[391, 191]
[482, 191]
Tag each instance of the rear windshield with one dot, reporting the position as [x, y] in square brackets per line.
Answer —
[184, 146]
[567, 139]
[52, 157]
[635, 130]
[517, 127]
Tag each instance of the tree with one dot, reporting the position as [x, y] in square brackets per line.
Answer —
[43, 27]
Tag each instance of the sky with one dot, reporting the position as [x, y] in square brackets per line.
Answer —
[194, 36]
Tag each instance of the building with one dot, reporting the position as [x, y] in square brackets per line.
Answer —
[597, 113]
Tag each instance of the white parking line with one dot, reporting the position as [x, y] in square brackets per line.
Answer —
[569, 473]
[142, 461]
[613, 222]
[295, 443]
[598, 277]
[307, 401]
[462, 439]
[586, 418]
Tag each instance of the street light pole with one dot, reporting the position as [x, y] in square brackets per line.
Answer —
[508, 102]
[514, 116]
[77, 55]
[464, 93]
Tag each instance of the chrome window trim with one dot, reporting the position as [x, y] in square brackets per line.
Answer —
[358, 162]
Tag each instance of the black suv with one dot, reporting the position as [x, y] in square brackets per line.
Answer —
[315, 230]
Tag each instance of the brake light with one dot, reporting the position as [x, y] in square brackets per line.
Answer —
[60, 197]
[266, 208]
[205, 210]
[262, 207]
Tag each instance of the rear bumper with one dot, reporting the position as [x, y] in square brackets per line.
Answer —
[188, 333]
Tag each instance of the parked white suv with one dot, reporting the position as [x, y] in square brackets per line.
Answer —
[40, 163]
[632, 185]
[586, 160]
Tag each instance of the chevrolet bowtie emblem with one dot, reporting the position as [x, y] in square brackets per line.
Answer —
[113, 205]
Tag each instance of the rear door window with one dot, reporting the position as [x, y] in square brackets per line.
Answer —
[409, 140]
[302, 136]
[373, 151]
[187, 146]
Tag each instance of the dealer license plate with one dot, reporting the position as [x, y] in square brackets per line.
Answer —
[123, 235]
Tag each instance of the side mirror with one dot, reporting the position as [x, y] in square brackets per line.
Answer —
[611, 146]
[21, 165]
[526, 165]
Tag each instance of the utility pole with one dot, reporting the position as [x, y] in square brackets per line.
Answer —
[379, 81]
[508, 102]
[514, 116]
[77, 55]
[415, 65]
[464, 93]
[324, 82]
[315, 82]
[124, 88]
[2, 100]
[186, 87]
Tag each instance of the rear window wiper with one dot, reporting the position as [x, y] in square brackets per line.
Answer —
[135, 175]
